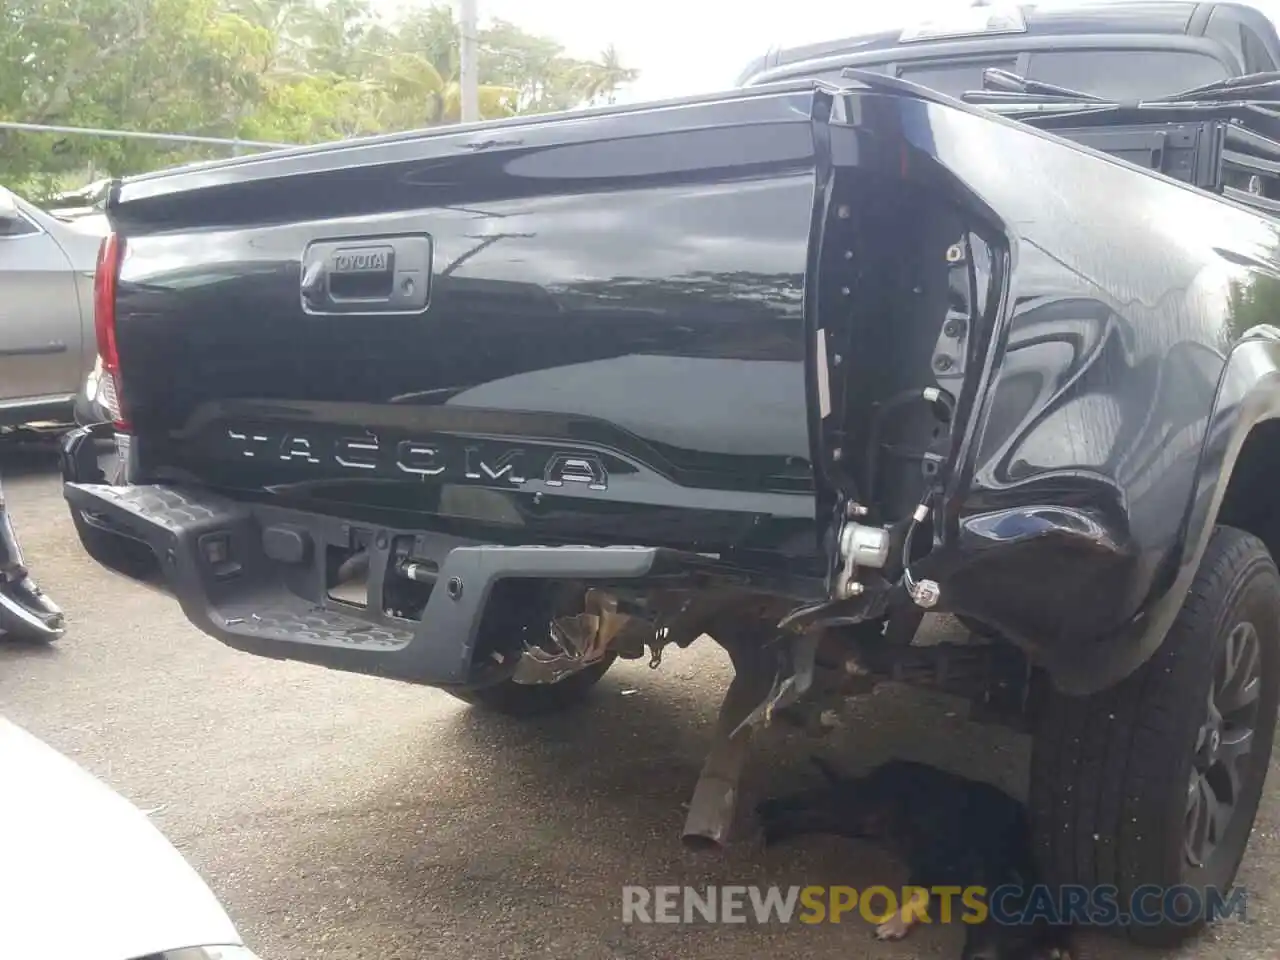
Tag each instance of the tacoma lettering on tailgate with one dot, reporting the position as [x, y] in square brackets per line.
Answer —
[448, 457]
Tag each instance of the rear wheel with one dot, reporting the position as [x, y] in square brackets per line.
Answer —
[528, 699]
[1157, 780]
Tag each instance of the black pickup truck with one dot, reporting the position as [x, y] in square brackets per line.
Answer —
[790, 366]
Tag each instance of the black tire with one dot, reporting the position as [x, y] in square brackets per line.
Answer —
[1112, 774]
[529, 700]
[127, 556]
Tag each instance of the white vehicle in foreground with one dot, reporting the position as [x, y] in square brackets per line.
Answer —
[84, 875]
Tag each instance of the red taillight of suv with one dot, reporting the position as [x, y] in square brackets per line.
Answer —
[110, 253]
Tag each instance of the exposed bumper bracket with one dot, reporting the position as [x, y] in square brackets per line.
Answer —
[714, 804]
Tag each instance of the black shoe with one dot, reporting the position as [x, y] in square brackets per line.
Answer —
[33, 601]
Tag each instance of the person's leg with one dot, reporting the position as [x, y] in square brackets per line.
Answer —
[11, 564]
[15, 580]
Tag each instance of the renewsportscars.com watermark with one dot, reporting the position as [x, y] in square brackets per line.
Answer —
[1012, 906]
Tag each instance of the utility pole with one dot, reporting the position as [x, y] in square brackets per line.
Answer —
[469, 61]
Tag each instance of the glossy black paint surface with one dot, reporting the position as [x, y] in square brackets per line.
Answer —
[639, 290]
[624, 289]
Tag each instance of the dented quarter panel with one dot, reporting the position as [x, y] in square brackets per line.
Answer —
[1119, 382]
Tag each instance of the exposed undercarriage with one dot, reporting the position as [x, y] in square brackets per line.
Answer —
[802, 677]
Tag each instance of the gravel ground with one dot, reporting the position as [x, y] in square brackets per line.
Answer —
[346, 817]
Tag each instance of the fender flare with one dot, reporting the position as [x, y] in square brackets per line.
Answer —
[1248, 394]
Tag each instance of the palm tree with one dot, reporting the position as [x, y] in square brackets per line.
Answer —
[601, 80]
[433, 94]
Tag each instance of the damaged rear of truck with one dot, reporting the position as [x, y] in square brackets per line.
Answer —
[790, 367]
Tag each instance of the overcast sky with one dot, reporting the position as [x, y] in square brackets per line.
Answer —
[690, 46]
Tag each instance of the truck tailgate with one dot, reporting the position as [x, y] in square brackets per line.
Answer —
[596, 308]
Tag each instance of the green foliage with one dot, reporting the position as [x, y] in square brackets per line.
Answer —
[280, 71]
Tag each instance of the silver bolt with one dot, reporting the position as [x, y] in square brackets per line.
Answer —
[837, 454]
[855, 509]
[955, 253]
[926, 594]
[843, 212]
[848, 254]
[853, 589]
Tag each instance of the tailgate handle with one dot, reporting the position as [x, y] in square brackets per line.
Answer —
[367, 275]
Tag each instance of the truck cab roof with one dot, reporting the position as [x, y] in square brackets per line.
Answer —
[1133, 49]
